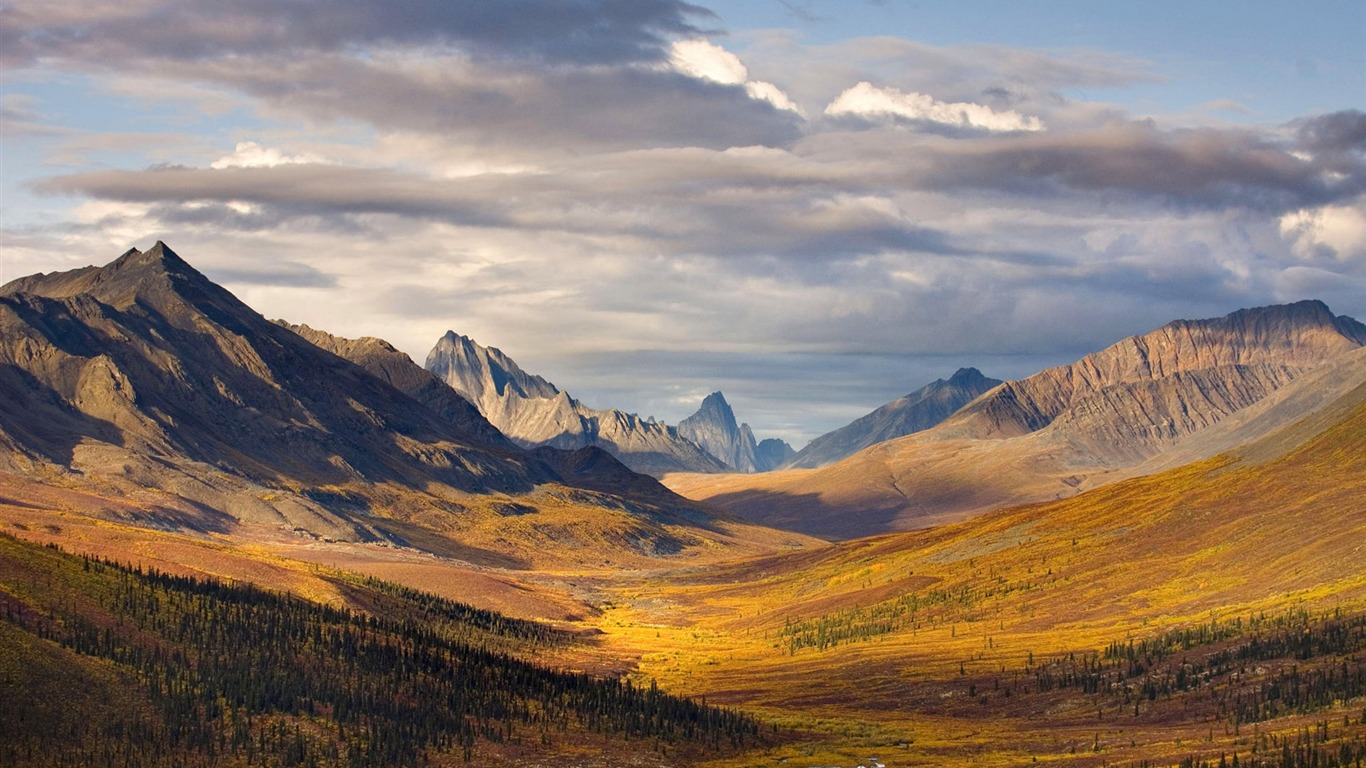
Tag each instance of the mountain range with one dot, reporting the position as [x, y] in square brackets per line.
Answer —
[714, 428]
[145, 381]
[915, 412]
[1184, 585]
[1061, 430]
[534, 413]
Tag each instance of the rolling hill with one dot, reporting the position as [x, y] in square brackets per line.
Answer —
[1210, 610]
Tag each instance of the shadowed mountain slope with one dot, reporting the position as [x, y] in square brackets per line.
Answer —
[1060, 430]
[149, 355]
[534, 413]
[387, 363]
[916, 412]
[143, 381]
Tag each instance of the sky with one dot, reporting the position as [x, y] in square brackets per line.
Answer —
[812, 206]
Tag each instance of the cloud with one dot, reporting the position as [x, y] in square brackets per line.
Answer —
[249, 154]
[705, 60]
[1209, 168]
[867, 101]
[1330, 231]
[1343, 131]
[19, 119]
[643, 215]
[587, 32]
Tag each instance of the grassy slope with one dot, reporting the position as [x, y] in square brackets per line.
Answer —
[1220, 538]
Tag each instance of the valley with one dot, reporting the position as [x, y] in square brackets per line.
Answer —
[1063, 595]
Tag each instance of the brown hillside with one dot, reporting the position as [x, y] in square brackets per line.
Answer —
[1066, 428]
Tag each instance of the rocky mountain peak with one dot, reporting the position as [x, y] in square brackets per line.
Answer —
[714, 428]
[483, 374]
[715, 409]
[533, 412]
[914, 412]
[966, 377]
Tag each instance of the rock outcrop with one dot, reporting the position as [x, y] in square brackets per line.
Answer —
[916, 412]
[772, 453]
[535, 413]
[714, 428]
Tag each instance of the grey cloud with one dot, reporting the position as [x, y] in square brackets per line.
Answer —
[526, 74]
[286, 274]
[590, 32]
[1031, 80]
[300, 189]
[1205, 168]
[593, 109]
[1334, 132]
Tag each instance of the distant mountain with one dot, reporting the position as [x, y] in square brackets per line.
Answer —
[144, 382]
[1141, 395]
[387, 363]
[772, 453]
[1067, 428]
[916, 412]
[534, 413]
[714, 428]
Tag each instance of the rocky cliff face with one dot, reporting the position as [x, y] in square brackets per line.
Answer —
[1144, 393]
[534, 413]
[714, 428]
[917, 411]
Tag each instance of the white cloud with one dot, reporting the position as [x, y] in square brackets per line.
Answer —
[705, 60]
[249, 154]
[868, 101]
[762, 91]
[1340, 228]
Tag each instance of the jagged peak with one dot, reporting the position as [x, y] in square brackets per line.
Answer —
[494, 354]
[483, 369]
[157, 277]
[157, 259]
[715, 400]
[714, 410]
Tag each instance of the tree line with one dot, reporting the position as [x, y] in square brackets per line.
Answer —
[221, 674]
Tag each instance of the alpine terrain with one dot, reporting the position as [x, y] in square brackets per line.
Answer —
[916, 412]
[1058, 431]
[533, 412]
[714, 428]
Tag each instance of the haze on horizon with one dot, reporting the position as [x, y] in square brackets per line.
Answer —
[814, 207]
